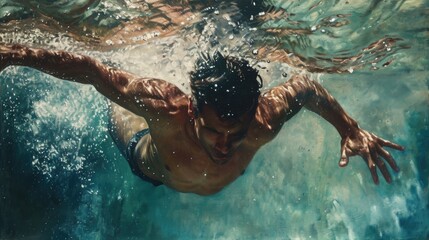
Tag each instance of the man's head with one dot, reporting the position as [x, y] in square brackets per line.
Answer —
[225, 92]
[228, 84]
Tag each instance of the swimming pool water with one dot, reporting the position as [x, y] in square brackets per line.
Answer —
[62, 177]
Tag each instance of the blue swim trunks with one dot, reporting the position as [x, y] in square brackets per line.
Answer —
[130, 157]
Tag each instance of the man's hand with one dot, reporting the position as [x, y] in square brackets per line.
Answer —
[370, 148]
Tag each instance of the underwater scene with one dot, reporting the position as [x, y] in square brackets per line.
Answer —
[62, 176]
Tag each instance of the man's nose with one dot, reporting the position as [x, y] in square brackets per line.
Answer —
[222, 148]
[222, 145]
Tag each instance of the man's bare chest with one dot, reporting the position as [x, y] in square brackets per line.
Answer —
[186, 166]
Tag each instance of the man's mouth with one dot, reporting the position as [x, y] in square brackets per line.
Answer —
[220, 158]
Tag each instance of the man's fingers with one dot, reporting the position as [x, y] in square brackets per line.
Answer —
[382, 166]
[386, 155]
[390, 144]
[373, 173]
[344, 158]
[372, 167]
[343, 161]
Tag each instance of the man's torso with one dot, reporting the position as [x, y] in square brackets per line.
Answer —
[172, 155]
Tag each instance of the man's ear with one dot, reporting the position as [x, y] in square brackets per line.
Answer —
[192, 111]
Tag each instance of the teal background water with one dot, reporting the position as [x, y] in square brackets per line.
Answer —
[62, 177]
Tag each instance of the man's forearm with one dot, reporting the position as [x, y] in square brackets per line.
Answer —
[59, 64]
[318, 100]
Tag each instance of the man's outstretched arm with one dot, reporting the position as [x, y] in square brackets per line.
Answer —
[139, 95]
[284, 101]
[63, 65]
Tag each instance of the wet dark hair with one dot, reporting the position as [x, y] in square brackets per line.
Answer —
[228, 84]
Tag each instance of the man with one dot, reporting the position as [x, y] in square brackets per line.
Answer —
[203, 142]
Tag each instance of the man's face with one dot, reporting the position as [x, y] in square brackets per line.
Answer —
[220, 137]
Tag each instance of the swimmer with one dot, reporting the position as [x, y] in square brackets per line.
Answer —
[202, 142]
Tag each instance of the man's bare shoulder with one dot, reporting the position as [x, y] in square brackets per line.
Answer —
[263, 128]
[152, 97]
[154, 87]
[277, 105]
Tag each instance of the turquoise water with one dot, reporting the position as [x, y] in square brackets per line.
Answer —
[62, 177]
